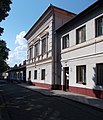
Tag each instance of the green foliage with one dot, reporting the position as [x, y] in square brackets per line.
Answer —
[4, 9]
[15, 66]
[4, 51]
[1, 30]
[3, 65]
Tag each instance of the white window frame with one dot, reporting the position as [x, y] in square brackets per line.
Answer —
[31, 52]
[99, 74]
[43, 74]
[98, 28]
[65, 41]
[44, 48]
[35, 74]
[36, 49]
[81, 35]
[81, 74]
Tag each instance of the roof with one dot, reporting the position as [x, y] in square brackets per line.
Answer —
[80, 15]
[16, 68]
[50, 8]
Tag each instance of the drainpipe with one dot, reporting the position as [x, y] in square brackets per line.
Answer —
[53, 48]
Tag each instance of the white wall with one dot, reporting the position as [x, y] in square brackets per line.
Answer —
[42, 62]
[90, 63]
[48, 71]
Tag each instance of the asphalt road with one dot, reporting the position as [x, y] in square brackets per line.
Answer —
[24, 104]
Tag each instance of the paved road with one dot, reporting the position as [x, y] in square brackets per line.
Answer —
[24, 104]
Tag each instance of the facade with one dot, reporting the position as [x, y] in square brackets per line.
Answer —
[81, 52]
[41, 63]
[65, 51]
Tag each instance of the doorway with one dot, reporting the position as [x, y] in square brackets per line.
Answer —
[66, 78]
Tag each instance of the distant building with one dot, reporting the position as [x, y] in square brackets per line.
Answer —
[16, 73]
[80, 42]
[5, 75]
[41, 67]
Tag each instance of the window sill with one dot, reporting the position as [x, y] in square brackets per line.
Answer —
[65, 48]
[99, 35]
[81, 83]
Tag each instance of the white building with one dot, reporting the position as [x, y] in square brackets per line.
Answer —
[41, 67]
[81, 47]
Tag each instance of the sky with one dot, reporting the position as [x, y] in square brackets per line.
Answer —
[23, 14]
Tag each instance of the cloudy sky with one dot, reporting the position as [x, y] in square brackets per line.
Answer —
[19, 53]
[23, 14]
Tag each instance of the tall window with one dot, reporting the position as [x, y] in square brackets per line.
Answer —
[99, 73]
[99, 26]
[36, 52]
[81, 35]
[30, 53]
[29, 75]
[43, 74]
[81, 74]
[44, 45]
[20, 75]
[35, 74]
[65, 41]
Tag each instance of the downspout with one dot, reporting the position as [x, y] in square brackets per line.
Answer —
[53, 48]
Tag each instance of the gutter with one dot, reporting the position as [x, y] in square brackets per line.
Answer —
[53, 49]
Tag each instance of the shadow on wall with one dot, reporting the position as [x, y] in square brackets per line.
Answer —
[97, 89]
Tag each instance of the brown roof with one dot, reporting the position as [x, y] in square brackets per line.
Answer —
[80, 15]
[51, 7]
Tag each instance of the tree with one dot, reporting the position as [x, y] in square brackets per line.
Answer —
[15, 66]
[1, 30]
[4, 9]
[4, 51]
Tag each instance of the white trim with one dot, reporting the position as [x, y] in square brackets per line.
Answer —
[84, 57]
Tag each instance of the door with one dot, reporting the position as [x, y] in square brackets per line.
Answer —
[65, 78]
[29, 78]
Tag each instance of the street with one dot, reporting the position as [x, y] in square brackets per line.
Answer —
[25, 104]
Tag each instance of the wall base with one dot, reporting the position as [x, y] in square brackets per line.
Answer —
[49, 86]
[83, 91]
[88, 92]
[42, 85]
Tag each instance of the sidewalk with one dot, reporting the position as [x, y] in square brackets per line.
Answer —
[91, 101]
